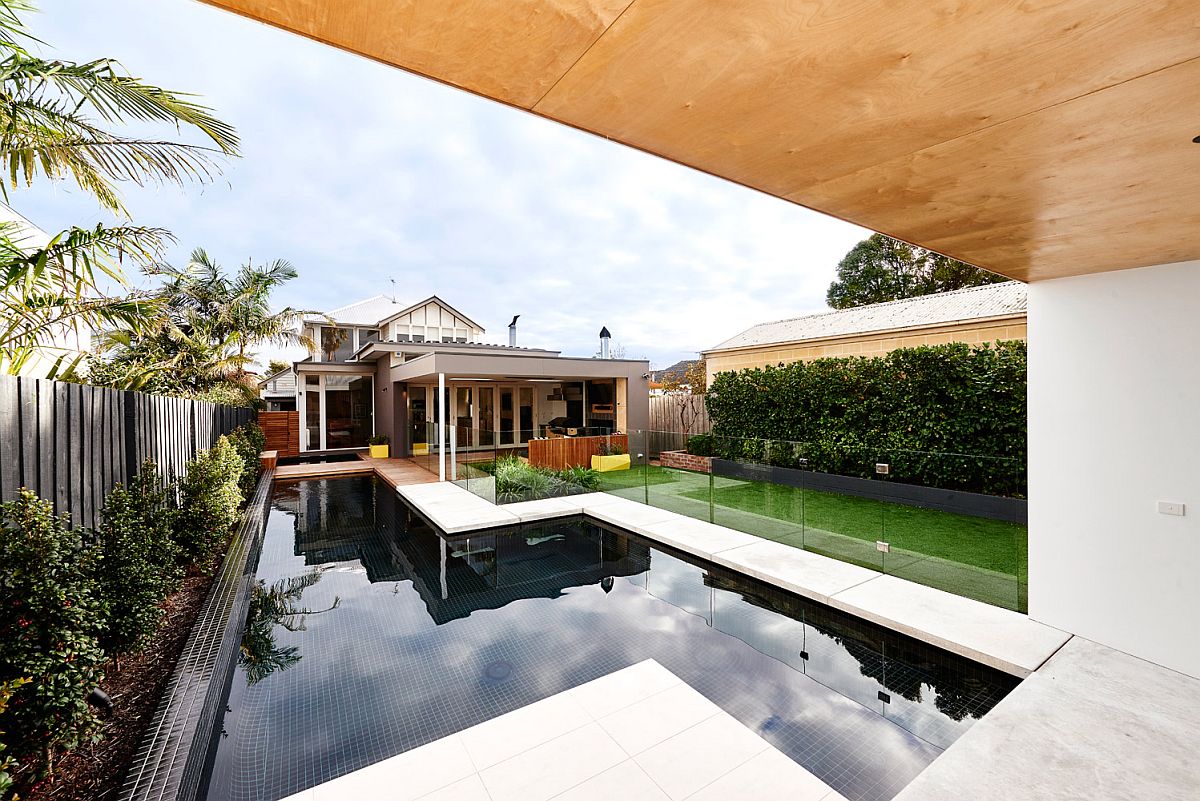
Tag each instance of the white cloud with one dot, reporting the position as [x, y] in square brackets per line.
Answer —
[359, 173]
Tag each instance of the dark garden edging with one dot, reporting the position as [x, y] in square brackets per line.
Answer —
[170, 762]
[993, 507]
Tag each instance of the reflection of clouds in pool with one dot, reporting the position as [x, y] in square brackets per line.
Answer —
[383, 677]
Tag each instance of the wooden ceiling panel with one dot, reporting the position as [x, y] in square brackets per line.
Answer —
[1036, 138]
[510, 50]
[1077, 188]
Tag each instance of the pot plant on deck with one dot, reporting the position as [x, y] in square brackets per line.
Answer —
[611, 457]
[378, 446]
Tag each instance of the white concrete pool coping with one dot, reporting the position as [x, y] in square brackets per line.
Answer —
[639, 733]
[1000, 638]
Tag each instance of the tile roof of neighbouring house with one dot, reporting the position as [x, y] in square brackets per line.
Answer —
[364, 312]
[991, 300]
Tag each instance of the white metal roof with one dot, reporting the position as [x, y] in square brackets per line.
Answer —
[991, 300]
[364, 312]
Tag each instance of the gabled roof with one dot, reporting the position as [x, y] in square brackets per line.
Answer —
[363, 312]
[979, 302]
[380, 309]
[440, 302]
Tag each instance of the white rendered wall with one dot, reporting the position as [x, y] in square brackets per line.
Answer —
[1114, 427]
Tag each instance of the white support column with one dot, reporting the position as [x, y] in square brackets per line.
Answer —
[441, 428]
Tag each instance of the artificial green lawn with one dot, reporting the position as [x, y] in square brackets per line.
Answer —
[989, 544]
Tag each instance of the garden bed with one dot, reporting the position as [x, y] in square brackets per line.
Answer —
[95, 772]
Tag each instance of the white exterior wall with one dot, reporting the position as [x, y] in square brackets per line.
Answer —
[1114, 427]
[432, 321]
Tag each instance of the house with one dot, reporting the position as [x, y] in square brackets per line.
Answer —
[387, 368]
[972, 315]
[278, 391]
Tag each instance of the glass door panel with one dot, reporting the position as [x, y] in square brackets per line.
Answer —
[486, 419]
[312, 416]
[348, 401]
[464, 414]
[525, 414]
[507, 416]
[418, 419]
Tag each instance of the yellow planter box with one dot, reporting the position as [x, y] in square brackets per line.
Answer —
[379, 451]
[605, 464]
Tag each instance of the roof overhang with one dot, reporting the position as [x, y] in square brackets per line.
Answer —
[495, 367]
[878, 333]
[1038, 140]
[373, 351]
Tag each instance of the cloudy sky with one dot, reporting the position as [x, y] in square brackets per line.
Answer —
[359, 174]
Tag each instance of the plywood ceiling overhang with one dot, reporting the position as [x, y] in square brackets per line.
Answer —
[1038, 139]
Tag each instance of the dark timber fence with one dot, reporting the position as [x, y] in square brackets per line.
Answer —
[71, 443]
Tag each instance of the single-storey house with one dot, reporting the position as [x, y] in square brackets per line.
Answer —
[973, 315]
[382, 367]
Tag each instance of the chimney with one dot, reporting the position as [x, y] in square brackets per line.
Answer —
[512, 331]
[605, 337]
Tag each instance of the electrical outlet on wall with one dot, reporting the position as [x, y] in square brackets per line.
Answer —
[1171, 508]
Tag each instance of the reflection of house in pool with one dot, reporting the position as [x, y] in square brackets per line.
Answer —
[491, 569]
[458, 575]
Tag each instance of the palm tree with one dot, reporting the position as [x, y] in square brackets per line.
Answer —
[51, 290]
[207, 326]
[52, 118]
[45, 130]
[238, 308]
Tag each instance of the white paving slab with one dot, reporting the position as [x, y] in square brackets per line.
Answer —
[639, 734]
[700, 755]
[1092, 723]
[631, 515]
[803, 572]
[544, 509]
[998, 637]
[697, 536]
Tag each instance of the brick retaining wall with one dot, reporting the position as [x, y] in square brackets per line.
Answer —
[682, 460]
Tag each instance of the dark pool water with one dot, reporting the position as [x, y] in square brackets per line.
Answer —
[397, 637]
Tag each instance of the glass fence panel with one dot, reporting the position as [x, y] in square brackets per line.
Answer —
[943, 533]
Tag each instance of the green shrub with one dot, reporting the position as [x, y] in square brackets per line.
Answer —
[581, 477]
[702, 445]
[249, 442]
[611, 449]
[7, 763]
[50, 623]
[378, 439]
[135, 560]
[209, 501]
[949, 416]
[517, 480]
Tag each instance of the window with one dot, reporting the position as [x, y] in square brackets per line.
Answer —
[336, 343]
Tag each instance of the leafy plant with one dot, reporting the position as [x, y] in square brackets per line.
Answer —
[249, 442]
[611, 449]
[50, 623]
[210, 499]
[135, 560]
[701, 445]
[378, 439]
[581, 477]
[7, 763]
[950, 416]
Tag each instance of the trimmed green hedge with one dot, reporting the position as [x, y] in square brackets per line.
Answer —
[949, 416]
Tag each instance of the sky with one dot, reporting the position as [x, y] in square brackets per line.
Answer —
[361, 174]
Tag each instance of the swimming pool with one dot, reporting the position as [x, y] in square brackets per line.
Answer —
[373, 634]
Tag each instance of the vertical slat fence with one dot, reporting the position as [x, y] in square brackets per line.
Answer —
[71, 443]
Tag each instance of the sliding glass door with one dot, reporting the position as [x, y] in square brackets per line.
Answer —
[338, 411]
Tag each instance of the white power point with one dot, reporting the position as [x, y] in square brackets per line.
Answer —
[1170, 508]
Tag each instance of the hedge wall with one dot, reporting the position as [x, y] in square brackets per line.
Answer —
[939, 415]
